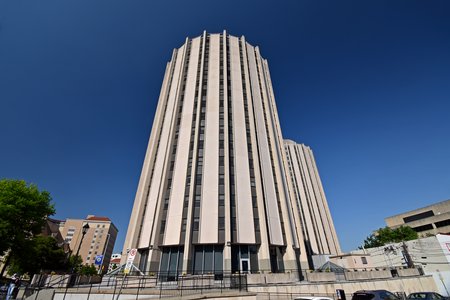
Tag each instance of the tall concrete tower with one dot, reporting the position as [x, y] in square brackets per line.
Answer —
[213, 194]
[312, 217]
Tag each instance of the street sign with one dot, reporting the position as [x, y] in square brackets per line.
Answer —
[98, 260]
[132, 255]
[130, 259]
[128, 267]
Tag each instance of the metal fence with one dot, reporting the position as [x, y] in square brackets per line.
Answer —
[165, 284]
[160, 284]
[290, 296]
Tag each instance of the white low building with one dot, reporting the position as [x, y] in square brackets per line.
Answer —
[432, 254]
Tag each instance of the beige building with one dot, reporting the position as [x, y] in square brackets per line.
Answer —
[99, 238]
[213, 194]
[312, 218]
[428, 220]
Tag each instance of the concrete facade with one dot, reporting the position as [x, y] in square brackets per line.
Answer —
[428, 220]
[403, 285]
[353, 261]
[312, 218]
[431, 254]
[213, 194]
[99, 239]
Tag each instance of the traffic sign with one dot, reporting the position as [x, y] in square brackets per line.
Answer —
[132, 255]
[98, 260]
[128, 267]
[130, 259]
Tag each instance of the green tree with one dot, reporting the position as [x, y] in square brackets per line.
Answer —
[387, 235]
[88, 270]
[75, 264]
[40, 253]
[23, 210]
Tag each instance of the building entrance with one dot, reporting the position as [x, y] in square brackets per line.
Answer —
[245, 265]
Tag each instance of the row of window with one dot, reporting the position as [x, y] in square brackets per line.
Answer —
[200, 143]
[174, 148]
[201, 87]
[427, 227]
[221, 180]
[146, 199]
[305, 171]
[266, 111]
[249, 148]
[299, 205]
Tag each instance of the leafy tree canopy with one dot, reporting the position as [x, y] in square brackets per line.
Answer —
[23, 210]
[37, 254]
[88, 270]
[76, 266]
[387, 235]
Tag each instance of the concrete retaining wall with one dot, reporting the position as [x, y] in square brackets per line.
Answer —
[320, 276]
[42, 295]
[408, 272]
[368, 275]
[59, 281]
[271, 278]
[397, 284]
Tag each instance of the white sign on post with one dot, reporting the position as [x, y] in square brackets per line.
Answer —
[130, 259]
[132, 254]
[127, 267]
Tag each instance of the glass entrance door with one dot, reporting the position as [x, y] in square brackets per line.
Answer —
[245, 265]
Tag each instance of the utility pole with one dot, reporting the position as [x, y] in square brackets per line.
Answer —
[387, 251]
[407, 256]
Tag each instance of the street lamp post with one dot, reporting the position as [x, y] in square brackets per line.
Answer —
[84, 230]
[72, 278]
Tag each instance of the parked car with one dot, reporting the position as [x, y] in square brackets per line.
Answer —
[312, 298]
[427, 296]
[374, 295]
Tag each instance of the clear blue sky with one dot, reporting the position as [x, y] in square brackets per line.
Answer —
[365, 83]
